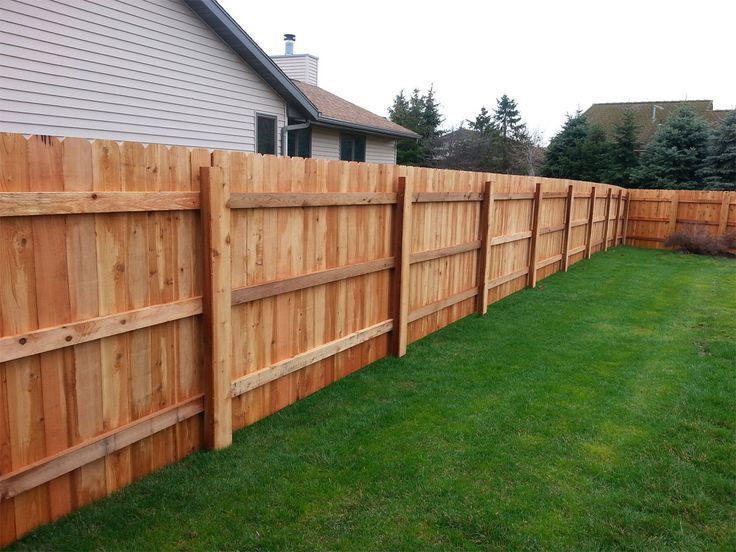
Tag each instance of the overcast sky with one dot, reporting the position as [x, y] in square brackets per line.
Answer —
[551, 57]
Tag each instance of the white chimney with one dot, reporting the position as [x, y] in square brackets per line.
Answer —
[301, 67]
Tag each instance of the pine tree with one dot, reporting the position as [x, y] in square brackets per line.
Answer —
[483, 121]
[597, 155]
[676, 154]
[421, 114]
[623, 159]
[512, 132]
[566, 154]
[721, 162]
[506, 118]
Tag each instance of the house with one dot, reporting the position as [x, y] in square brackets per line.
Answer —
[175, 72]
[649, 115]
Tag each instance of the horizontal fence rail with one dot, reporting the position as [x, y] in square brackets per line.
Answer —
[656, 214]
[153, 299]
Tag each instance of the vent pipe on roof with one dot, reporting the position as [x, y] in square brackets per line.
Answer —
[289, 40]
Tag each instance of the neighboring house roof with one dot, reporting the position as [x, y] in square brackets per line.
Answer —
[649, 115]
[334, 111]
[313, 102]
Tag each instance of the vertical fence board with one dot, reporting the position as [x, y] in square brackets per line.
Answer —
[532, 278]
[402, 252]
[217, 307]
[486, 222]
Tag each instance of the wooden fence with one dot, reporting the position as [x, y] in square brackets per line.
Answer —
[154, 299]
[655, 214]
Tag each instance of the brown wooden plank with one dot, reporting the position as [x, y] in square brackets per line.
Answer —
[257, 200]
[532, 280]
[485, 227]
[443, 197]
[581, 222]
[278, 287]
[650, 219]
[508, 238]
[607, 219]
[56, 465]
[65, 335]
[723, 214]
[514, 196]
[674, 207]
[551, 229]
[627, 209]
[589, 230]
[437, 306]
[432, 254]
[16, 204]
[402, 240]
[217, 307]
[285, 367]
[568, 228]
[507, 278]
[549, 261]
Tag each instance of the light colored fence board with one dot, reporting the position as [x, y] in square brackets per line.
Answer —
[104, 372]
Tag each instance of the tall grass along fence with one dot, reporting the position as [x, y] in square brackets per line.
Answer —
[655, 215]
[154, 299]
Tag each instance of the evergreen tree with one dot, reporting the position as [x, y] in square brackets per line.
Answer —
[508, 125]
[483, 121]
[421, 114]
[506, 118]
[566, 154]
[623, 159]
[676, 153]
[597, 155]
[721, 162]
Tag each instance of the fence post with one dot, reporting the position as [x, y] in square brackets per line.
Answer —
[402, 257]
[674, 203]
[589, 229]
[616, 218]
[568, 228]
[217, 307]
[723, 218]
[484, 253]
[607, 221]
[626, 218]
[532, 276]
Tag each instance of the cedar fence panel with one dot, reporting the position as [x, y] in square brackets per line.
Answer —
[111, 261]
[655, 214]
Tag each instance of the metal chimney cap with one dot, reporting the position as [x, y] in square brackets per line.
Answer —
[291, 37]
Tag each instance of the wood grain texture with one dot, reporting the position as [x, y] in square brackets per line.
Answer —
[114, 373]
[217, 306]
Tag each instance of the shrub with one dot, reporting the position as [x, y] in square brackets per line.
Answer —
[701, 242]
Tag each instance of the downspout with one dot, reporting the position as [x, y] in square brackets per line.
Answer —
[285, 129]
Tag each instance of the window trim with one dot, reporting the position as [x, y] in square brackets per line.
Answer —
[275, 119]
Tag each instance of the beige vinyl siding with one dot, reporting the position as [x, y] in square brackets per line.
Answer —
[301, 67]
[380, 150]
[143, 70]
[326, 145]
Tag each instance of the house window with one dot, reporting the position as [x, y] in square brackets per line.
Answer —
[352, 147]
[266, 134]
[300, 142]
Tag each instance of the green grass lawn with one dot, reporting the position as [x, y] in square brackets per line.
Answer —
[595, 412]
